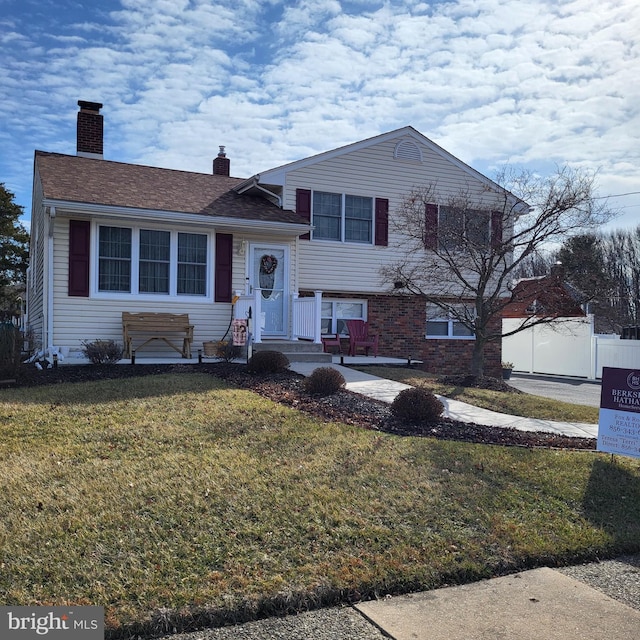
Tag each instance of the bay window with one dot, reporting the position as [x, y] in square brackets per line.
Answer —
[151, 261]
[114, 263]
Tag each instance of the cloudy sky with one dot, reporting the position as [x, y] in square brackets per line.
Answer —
[531, 83]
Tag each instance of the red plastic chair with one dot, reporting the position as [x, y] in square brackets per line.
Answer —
[359, 337]
[331, 341]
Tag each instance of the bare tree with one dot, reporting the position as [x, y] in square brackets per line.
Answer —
[462, 251]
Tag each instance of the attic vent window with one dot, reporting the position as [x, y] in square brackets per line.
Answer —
[407, 150]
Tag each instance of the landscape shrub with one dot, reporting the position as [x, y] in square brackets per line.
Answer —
[102, 351]
[10, 349]
[324, 381]
[268, 362]
[417, 405]
[227, 351]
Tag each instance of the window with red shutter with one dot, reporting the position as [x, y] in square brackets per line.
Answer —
[303, 208]
[79, 253]
[223, 267]
[382, 222]
[496, 229]
[430, 226]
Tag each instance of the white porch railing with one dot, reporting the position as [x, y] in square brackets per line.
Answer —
[304, 323]
[306, 317]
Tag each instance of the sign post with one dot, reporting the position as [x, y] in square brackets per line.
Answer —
[619, 424]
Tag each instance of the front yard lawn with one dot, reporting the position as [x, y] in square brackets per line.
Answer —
[177, 500]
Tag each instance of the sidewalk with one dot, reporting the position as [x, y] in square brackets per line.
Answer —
[387, 390]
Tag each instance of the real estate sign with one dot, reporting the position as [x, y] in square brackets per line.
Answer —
[619, 425]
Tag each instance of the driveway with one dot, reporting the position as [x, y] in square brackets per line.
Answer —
[574, 390]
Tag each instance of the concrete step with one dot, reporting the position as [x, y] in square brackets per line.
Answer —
[288, 346]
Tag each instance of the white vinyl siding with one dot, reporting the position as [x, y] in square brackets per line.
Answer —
[36, 289]
[100, 316]
[354, 267]
[151, 262]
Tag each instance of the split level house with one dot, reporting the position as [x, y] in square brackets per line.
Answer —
[299, 246]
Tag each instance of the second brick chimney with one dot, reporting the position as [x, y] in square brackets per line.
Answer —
[221, 164]
[89, 142]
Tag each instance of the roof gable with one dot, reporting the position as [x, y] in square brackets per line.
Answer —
[276, 176]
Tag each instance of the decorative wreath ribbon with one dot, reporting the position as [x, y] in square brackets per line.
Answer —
[268, 264]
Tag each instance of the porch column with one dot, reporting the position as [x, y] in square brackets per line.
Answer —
[317, 317]
[256, 315]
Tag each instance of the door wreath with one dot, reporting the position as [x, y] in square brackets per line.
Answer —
[268, 266]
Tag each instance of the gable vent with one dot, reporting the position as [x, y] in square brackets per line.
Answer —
[407, 150]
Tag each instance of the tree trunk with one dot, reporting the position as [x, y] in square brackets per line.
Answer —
[477, 358]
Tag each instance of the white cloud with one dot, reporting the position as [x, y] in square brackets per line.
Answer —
[529, 81]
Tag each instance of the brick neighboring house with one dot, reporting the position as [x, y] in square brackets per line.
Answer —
[301, 244]
[544, 297]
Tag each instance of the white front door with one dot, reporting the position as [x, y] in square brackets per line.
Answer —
[269, 271]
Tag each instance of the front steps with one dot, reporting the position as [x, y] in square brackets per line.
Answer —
[295, 350]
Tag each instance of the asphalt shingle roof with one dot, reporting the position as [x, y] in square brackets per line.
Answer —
[103, 182]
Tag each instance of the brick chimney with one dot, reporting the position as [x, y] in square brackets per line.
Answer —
[221, 164]
[90, 130]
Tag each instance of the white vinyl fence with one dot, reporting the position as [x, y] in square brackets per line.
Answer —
[568, 347]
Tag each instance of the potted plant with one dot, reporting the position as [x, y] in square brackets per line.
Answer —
[507, 368]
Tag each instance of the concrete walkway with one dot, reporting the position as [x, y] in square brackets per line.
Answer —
[541, 604]
[387, 390]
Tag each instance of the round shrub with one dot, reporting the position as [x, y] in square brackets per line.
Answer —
[268, 362]
[417, 405]
[324, 381]
[102, 351]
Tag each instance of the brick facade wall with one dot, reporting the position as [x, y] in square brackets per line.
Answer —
[400, 323]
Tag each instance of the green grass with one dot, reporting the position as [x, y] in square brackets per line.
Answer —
[516, 404]
[176, 500]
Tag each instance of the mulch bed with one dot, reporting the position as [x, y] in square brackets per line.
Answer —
[344, 406]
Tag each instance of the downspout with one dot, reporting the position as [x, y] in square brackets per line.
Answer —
[49, 283]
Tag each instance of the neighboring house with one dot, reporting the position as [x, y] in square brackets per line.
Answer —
[559, 336]
[300, 244]
[544, 297]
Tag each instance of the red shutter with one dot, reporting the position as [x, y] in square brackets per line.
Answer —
[430, 226]
[496, 229]
[382, 222]
[223, 267]
[79, 252]
[303, 208]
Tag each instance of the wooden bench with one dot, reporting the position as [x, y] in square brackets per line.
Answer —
[156, 326]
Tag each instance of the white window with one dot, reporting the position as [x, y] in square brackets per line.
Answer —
[335, 312]
[440, 324]
[342, 217]
[458, 227]
[151, 261]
